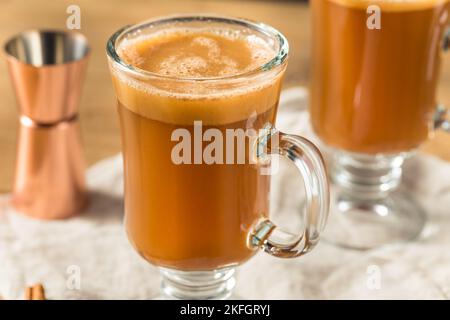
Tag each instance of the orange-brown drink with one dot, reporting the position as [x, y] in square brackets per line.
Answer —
[195, 215]
[373, 90]
[195, 96]
[374, 76]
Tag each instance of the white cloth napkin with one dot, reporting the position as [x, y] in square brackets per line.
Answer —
[89, 257]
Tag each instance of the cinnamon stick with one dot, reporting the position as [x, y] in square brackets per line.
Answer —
[35, 292]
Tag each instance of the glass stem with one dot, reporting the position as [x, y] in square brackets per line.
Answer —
[195, 285]
[367, 177]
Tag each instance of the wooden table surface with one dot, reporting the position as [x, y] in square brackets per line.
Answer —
[100, 18]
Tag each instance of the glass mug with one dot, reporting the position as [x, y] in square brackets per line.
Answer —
[373, 103]
[197, 221]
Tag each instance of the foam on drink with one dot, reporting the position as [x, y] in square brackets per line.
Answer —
[182, 61]
[196, 54]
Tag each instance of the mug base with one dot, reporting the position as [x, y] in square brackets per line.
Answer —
[197, 285]
[366, 224]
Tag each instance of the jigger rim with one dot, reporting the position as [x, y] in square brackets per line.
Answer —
[66, 33]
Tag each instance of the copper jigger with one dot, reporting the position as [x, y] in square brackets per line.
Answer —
[47, 70]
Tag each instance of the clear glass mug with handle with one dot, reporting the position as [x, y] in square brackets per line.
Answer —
[194, 215]
[375, 72]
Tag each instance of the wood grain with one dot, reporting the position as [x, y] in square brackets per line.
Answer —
[101, 18]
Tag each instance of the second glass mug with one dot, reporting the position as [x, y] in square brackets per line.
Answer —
[197, 222]
[373, 103]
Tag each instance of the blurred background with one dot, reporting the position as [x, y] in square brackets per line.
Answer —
[100, 18]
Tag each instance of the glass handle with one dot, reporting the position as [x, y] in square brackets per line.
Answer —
[441, 117]
[446, 43]
[441, 120]
[309, 161]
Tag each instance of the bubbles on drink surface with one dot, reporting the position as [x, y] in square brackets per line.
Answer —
[198, 54]
[193, 54]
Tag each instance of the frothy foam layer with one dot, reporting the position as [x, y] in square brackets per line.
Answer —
[393, 5]
[187, 54]
[197, 54]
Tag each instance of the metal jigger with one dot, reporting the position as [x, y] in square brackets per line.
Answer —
[47, 70]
